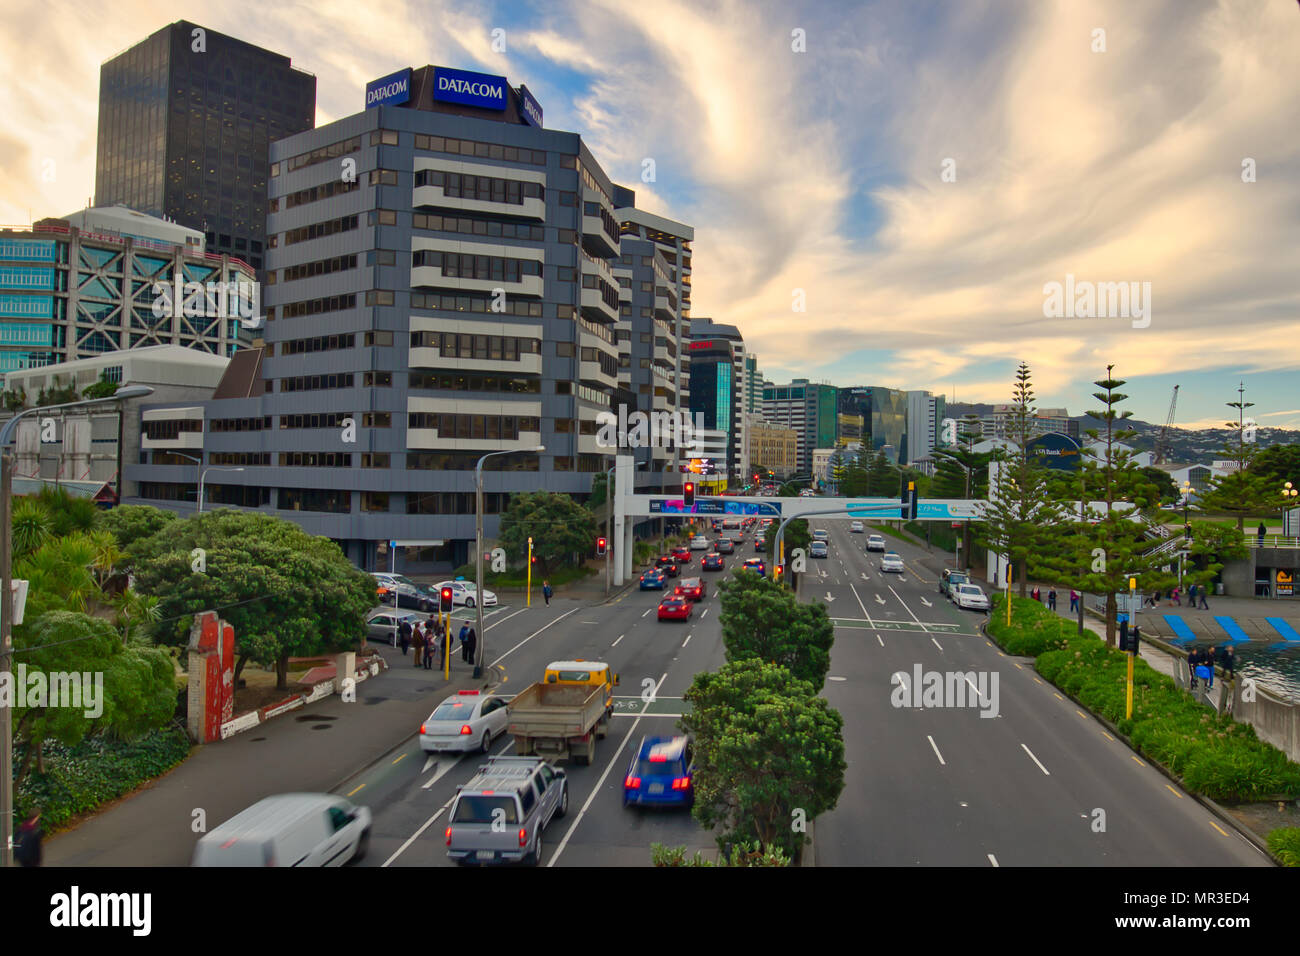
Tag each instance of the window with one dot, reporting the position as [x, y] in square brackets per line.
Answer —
[379, 297]
[458, 381]
[379, 338]
[318, 230]
[301, 499]
[320, 155]
[467, 266]
[381, 217]
[320, 343]
[568, 237]
[334, 303]
[306, 383]
[383, 137]
[564, 349]
[319, 268]
[171, 430]
[480, 188]
[377, 420]
[381, 257]
[377, 380]
[374, 501]
[382, 177]
[335, 187]
[314, 420]
[461, 302]
[315, 459]
[375, 460]
[470, 226]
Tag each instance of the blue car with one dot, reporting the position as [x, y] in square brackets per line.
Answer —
[660, 774]
[653, 580]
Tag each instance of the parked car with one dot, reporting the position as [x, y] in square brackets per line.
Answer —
[891, 561]
[468, 720]
[818, 549]
[725, 546]
[713, 562]
[409, 594]
[653, 580]
[465, 593]
[660, 774]
[950, 579]
[699, 543]
[383, 623]
[970, 596]
[674, 608]
[690, 588]
[523, 793]
[289, 829]
[855, 527]
[668, 565]
[875, 542]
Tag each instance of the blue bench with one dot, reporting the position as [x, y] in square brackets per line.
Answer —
[1181, 631]
[1232, 629]
[1288, 632]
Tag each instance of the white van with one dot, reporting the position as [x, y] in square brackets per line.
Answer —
[290, 829]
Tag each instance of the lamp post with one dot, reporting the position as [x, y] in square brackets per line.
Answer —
[204, 473]
[478, 552]
[609, 522]
[1186, 491]
[198, 461]
[7, 603]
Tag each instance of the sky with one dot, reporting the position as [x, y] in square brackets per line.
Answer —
[882, 193]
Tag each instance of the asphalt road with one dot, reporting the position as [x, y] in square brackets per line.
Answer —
[1040, 784]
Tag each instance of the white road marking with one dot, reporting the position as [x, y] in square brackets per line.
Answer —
[909, 610]
[860, 604]
[881, 640]
[936, 643]
[439, 773]
[1035, 760]
[595, 791]
[879, 599]
[837, 678]
[414, 836]
[646, 611]
[936, 750]
[926, 603]
[993, 859]
[829, 599]
[620, 637]
[704, 613]
[430, 761]
[532, 635]
[687, 641]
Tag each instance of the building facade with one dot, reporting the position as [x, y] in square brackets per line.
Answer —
[186, 119]
[810, 409]
[716, 397]
[774, 447]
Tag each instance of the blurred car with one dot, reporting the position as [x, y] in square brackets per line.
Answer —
[468, 720]
[682, 555]
[699, 543]
[653, 580]
[821, 535]
[660, 773]
[725, 546]
[289, 829]
[690, 588]
[856, 527]
[382, 624]
[409, 594]
[713, 562]
[970, 597]
[949, 580]
[668, 565]
[674, 608]
[890, 561]
[875, 542]
[818, 549]
[465, 593]
[755, 564]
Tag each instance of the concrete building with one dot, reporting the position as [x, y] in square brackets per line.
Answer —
[458, 297]
[1002, 423]
[773, 446]
[809, 409]
[714, 333]
[884, 416]
[88, 284]
[186, 119]
[924, 417]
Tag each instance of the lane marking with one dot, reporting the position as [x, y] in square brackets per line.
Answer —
[1176, 794]
[1035, 760]
[429, 762]
[442, 771]
[350, 792]
[936, 643]
[620, 637]
[1217, 827]
[414, 836]
[704, 614]
[1081, 713]
[1139, 762]
[993, 859]
[403, 756]
[936, 750]
[646, 611]
[860, 604]
[595, 791]
[532, 635]
[1057, 696]
[1107, 736]
[687, 641]
[881, 640]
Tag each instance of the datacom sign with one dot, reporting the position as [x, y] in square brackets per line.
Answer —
[529, 106]
[470, 89]
[389, 90]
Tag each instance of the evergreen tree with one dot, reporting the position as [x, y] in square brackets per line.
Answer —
[1246, 491]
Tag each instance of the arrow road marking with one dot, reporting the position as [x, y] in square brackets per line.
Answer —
[879, 599]
[926, 603]
[828, 597]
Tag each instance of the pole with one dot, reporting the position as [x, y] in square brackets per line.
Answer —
[609, 524]
[446, 642]
[1006, 583]
[1132, 626]
[1128, 706]
[6, 658]
[529, 602]
[478, 566]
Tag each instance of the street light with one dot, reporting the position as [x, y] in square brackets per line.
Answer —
[204, 473]
[478, 550]
[7, 603]
[197, 461]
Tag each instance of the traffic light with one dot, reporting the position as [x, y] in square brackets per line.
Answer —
[1123, 634]
[600, 547]
[445, 600]
[780, 570]
[1187, 533]
[688, 493]
[909, 502]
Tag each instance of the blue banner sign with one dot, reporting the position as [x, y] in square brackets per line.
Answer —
[27, 250]
[389, 90]
[470, 89]
[529, 107]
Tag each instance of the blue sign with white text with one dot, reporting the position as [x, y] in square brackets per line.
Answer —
[389, 90]
[470, 89]
[529, 107]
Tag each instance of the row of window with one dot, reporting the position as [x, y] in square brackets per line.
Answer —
[478, 227]
[315, 459]
[315, 420]
[474, 303]
[609, 223]
[469, 147]
[239, 424]
[497, 427]
[331, 303]
[317, 230]
[335, 187]
[459, 382]
[481, 188]
[319, 343]
[608, 294]
[467, 266]
[311, 383]
[321, 267]
[292, 499]
[319, 155]
[171, 429]
[242, 458]
[501, 348]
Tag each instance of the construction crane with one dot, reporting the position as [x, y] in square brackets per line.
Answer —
[1162, 440]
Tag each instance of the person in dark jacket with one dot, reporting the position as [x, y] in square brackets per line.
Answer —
[547, 592]
[1193, 661]
[1262, 531]
[417, 643]
[471, 644]
[1051, 599]
[464, 642]
[404, 634]
[1228, 661]
[27, 850]
[1209, 659]
[1201, 595]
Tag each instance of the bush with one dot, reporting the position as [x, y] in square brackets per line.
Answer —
[1284, 843]
[79, 779]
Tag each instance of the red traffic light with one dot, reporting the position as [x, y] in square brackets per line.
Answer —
[445, 602]
[688, 493]
[601, 545]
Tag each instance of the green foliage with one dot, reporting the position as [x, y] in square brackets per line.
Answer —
[101, 389]
[96, 771]
[558, 525]
[1162, 481]
[33, 525]
[56, 394]
[287, 593]
[761, 619]
[1284, 843]
[68, 513]
[131, 524]
[883, 477]
[1277, 465]
[769, 753]
[15, 401]
[743, 854]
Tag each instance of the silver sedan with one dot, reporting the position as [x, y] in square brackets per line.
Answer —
[467, 721]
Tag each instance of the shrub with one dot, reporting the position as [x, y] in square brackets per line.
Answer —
[1284, 843]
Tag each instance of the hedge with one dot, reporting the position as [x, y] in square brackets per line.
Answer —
[1284, 843]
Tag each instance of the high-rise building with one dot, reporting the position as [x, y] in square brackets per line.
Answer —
[1046, 421]
[456, 297]
[716, 396]
[704, 331]
[774, 447]
[884, 415]
[924, 417]
[186, 119]
[810, 409]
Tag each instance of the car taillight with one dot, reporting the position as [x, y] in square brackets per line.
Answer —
[448, 836]
[632, 783]
[523, 836]
[465, 731]
[422, 730]
[682, 783]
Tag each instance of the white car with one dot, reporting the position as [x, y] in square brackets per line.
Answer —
[970, 596]
[821, 535]
[890, 561]
[465, 593]
[467, 721]
[875, 542]
[856, 527]
[699, 543]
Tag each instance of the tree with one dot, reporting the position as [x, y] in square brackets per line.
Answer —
[1213, 543]
[796, 536]
[1163, 482]
[769, 753]
[131, 524]
[1244, 491]
[287, 593]
[15, 400]
[558, 525]
[1277, 465]
[56, 394]
[762, 619]
[68, 513]
[883, 477]
[101, 389]
[854, 483]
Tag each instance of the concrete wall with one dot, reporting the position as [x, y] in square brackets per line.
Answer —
[1275, 721]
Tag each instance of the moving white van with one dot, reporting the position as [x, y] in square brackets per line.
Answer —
[290, 829]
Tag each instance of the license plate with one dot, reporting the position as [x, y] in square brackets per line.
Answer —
[484, 855]
[656, 788]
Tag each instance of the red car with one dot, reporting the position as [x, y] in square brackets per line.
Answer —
[682, 555]
[674, 608]
[690, 588]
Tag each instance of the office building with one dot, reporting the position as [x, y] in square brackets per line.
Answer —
[774, 447]
[87, 284]
[186, 119]
[1002, 423]
[457, 298]
[810, 409]
[924, 419]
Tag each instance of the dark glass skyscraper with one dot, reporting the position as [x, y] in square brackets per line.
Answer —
[186, 120]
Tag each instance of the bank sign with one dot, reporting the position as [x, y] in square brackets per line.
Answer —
[470, 89]
[389, 90]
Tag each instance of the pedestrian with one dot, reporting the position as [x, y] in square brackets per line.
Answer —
[1228, 661]
[464, 646]
[1074, 600]
[1175, 597]
[547, 592]
[405, 636]
[1201, 595]
[1051, 599]
[1207, 663]
[430, 645]
[418, 641]
[1191, 595]
[471, 644]
[1262, 531]
[27, 850]
[1035, 593]
[1193, 662]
